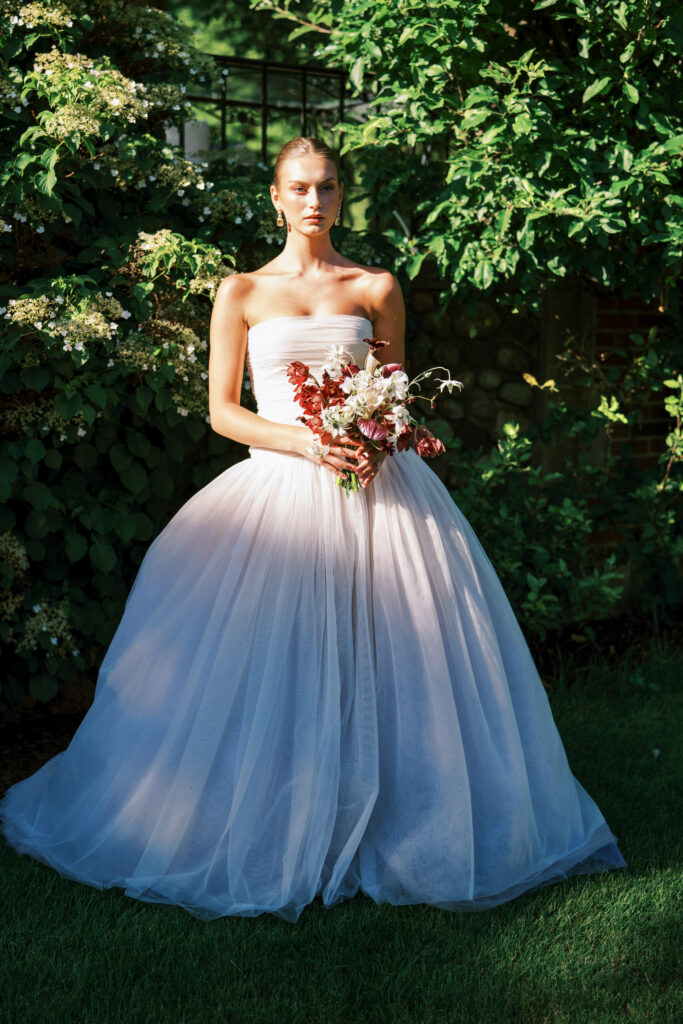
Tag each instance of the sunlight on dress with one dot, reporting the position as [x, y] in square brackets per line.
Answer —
[310, 694]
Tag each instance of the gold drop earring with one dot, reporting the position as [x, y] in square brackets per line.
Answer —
[280, 220]
[338, 220]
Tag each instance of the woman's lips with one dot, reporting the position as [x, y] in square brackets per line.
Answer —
[314, 217]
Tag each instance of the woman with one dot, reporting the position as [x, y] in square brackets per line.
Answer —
[310, 694]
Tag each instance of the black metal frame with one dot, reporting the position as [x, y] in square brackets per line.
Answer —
[305, 72]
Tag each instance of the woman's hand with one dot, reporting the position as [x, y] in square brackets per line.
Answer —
[345, 455]
[342, 454]
[370, 461]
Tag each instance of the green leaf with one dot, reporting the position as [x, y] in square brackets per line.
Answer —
[45, 182]
[43, 687]
[414, 262]
[630, 92]
[76, 546]
[67, 403]
[97, 394]
[35, 450]
[102, 555]
[120, 457]
[126, 527]
[35, 525]
[356, 73]
[135, 477]
[37, 494]
[521, 124]
[143, 396]
[596, 87]
[34, 377]
[483, 274]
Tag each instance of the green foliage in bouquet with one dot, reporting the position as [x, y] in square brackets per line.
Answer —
[112, 245]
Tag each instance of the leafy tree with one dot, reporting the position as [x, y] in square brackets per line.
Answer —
[521, 142]
[512, 146]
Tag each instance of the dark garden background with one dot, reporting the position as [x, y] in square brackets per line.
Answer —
[517, 165]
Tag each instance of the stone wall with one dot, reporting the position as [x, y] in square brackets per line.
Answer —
[488, 352]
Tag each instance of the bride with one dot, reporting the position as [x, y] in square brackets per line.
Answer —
[308, 694]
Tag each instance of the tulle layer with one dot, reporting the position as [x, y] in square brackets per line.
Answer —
[313, 695]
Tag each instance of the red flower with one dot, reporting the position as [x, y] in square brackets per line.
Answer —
[426, 445]
[372, 429]
[297, 372]
[390, 368]
[309, 398]
[405, 439]
[375, 343]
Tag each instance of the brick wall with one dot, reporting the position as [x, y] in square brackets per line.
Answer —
[490, 352]
[615, 320]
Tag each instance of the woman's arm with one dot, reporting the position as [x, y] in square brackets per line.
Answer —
[389, 324]
[389, 317]
[227, 351]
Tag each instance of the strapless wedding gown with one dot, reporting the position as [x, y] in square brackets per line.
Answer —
[310, 694]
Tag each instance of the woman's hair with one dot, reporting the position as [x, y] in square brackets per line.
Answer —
[298, 147]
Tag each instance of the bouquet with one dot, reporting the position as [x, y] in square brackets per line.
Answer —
[368, 404]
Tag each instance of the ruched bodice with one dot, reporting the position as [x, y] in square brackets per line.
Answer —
[275, 342]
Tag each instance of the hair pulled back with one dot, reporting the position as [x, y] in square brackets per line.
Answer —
[302, 146]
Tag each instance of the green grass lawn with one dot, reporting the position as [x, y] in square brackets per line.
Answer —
[595, 948]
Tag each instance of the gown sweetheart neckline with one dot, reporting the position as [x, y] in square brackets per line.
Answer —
[308, 316]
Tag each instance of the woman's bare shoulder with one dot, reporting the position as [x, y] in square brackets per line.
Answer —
[235, 286]
[379, 280]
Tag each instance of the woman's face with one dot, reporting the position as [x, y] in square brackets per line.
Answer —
[308, 192]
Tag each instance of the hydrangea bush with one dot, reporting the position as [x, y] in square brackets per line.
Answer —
[112, 246]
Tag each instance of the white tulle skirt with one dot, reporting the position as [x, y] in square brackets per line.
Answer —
[309, 694]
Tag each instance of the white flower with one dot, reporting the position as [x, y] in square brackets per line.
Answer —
[449, 383]
[37, 607]
[336, 419]
[399, 415]
[395, 386]
[53, 640]
[336, 360]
